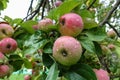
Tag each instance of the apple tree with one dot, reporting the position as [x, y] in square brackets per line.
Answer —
[62, 40]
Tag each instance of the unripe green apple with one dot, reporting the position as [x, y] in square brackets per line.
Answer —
[67, 50]
[4, 70]
[111, 33]
[101, 74]
[71, 24]
[8, 45]
[5, 30]
[45, 24]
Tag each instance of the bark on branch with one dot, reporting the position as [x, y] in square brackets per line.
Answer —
[106, 19]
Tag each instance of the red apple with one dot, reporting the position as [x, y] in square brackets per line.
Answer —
[111, 33]
[58, 3]
[4, 70]
[67, 50]
[27, 77]
[8, 45]
[111, 46]
[5, 30]
[35, 27]
[101, 74]
[71, 24]
[45, 24]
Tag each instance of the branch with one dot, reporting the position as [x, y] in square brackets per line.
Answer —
[106, 19]
[30, 7]
[91, 4]
[114, 29]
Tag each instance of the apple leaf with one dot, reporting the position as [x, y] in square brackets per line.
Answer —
[36, 41]
[47, 60]
[87, 44]
[85, 71]
[73, 76]
[53, 72]
[65, 7]
[96, 34]
[86, 14]
[28, 26]
[89, 23]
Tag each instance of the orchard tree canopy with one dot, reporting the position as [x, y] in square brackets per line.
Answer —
[62, 40]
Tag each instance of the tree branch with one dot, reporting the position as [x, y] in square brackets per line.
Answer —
[113, 29]
[106, 19]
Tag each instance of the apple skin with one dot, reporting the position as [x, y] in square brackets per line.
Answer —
[45, 24]
[27, 77]
[58, 3]
[101, 74]
[8, 45]
[71, 24]
[111, 33]
[67, 50]
[5, 30]
[35, 27]
[4, 70]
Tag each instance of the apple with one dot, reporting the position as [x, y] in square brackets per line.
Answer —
[105, 49]
[4, 70]
[8, 45]
[27, 77]
[5, 30]
[35, 27]
[101, 74]
[58, 3]
[67, 50]
[71, 24]
[111, 33]
[111, 47]
[45, 24]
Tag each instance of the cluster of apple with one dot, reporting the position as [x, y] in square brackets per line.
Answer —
[67, 50]
[7, 45]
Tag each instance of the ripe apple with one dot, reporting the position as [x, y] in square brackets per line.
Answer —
[27, 77]
[101, 74]
[111, 33]
[8, 45]
[45, 24]
[35, 27]
[111, 47]
[71, 24]
[4, 70]
[5, 30]
[67, 50]
[2, 58]
[58, 3]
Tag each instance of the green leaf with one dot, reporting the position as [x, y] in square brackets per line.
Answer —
[98, 49]
[96, 34]
[87, 44]
[47, 60]
[65, 7]
[53, 72]
[85, 71]
[16, 61]
[35, 42]
[89, 23]
[28, 26]
[73, 76]
[27, 64]
[86, 14]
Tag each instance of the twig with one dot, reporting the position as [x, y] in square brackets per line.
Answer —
[106, 19]
[91, 4]
[30, 7]
[113, 29]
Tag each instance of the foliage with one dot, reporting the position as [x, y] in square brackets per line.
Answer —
[35, 46]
